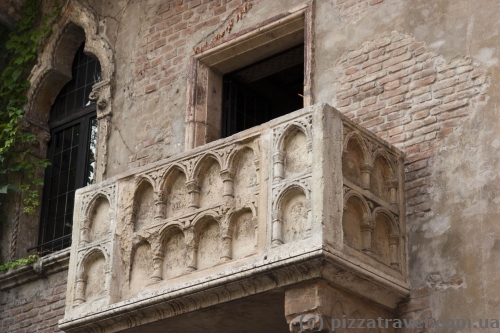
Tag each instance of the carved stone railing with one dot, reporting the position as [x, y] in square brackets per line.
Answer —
[305, 196]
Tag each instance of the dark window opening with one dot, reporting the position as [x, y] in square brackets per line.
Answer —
[71, 151]
[263, 91]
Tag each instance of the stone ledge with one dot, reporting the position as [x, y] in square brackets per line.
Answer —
[277, 272]
[48, 265]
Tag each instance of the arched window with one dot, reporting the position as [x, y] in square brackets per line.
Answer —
[71, 151]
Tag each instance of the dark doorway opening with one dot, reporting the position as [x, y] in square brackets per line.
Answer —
[263, 91]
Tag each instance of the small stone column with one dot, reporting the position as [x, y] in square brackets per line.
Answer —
[366, 171]
[256, 162]
[393, 193]
[160, 206]
[157, 267]
[366, 235]
[393, 246]
[228, 183]
[81, 284]
[277, 238]
[194, 194]
[279, 164]
[227, 247]
[191, 253]
[84, 231]
[256, 232]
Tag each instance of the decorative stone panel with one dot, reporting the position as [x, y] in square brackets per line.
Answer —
[308, 195]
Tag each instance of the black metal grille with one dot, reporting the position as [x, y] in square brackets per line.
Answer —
[75, 94]
[242, 108]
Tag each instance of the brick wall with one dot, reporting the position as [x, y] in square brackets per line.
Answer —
[395, 87]
[173, 34]
[34, 307]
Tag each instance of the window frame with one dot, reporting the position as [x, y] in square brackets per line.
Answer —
[83, 116]
[204, 94]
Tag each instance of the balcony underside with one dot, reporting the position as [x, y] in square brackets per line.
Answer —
[247, 286]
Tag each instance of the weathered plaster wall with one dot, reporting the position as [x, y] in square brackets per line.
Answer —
[422, 75]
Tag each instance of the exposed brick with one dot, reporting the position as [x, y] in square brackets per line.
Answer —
[393, 77]
[422, 98]
[391, 124]
[373, 122]
[397, 60]
[357, 75]
[351, 70]
[417, 92]
[395, 108]
[392, 85]
[369, 101]
[377, 44]
[461, 95]
[423, 82]
[373, 68]
[356, 61]
[348, 93]
[368, 86]
[396, 130]
[449, 82]
[421, 114]
[395, 100]
[449, 106]
[343, 102]
[376, 60]
[391, 93]
[424, 73]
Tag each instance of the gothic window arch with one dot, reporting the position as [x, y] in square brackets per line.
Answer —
[71, 151]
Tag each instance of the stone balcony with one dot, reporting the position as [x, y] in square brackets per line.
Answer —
[309, 196]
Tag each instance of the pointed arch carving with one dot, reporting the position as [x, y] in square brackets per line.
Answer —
[76, 24]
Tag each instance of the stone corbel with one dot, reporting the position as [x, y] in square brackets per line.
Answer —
[279, 164]
[192, 250]
[84, 231]
[393, 246]
[277, 234]
[228, 183]
[366, 171]
[308, 307]
[101, 95]
[194, 193]
[366, 234]
[160, 205]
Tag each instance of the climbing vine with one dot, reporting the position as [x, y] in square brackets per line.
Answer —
[15, 155]
[20, 262]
